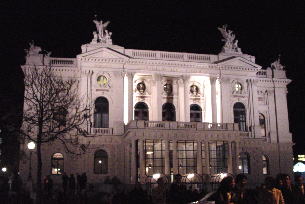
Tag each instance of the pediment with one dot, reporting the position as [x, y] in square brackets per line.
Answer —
[103, 53]
[238, 61]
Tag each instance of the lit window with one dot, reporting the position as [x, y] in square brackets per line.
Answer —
[239, 112]
[57, 164]
[218, 152]
[187, 157]
[100, 162]
[262, 124]
[154, 153]
[244, 163]
[265, 161]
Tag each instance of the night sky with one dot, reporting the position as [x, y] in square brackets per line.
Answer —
[263, 29]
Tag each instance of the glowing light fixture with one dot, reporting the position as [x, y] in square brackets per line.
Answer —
[99, 161]
[156, 176]
[149, 152]
[31, 145]
[190, 176]
[223, 175]
[4, 169]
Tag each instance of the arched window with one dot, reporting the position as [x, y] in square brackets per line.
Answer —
[141, 111]
[265, 161]
[244, 163]
[240, 116]
[195, 113]
[168, 112]
[100, 162]
[262, 124]
[101, 113]
[57, 164]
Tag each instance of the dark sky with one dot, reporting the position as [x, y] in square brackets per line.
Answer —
[264, 29]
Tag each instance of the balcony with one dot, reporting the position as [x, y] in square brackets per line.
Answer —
[102, 131]
[169, 125]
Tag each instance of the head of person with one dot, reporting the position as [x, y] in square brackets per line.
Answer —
[286, 180]
[178, 178]
[269, 182]
[160, 182]
[241, 180]
[227, 184]
[279, 180]
[298, 179]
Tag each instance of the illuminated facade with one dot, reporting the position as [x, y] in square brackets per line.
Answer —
[174, 113]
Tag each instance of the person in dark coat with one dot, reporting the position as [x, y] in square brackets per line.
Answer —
[177, 191]
[225, 193]
[65, 181]
[72, 184]
[287, 190]
[299, 189]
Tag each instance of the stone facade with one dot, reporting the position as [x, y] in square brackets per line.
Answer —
[198, 113]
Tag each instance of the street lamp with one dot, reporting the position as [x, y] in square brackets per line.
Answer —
[31, 146]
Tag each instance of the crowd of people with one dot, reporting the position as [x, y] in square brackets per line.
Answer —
[279, 190]
[74, 189]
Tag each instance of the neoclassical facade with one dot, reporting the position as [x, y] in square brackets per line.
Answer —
[158, 112]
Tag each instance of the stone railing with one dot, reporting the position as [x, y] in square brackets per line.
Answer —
[63, 62]
[168, 125]
[261, 74]
[102, 131]
[177, 56]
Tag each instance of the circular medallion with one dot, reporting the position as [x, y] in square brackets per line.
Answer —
[238, 87]
[141, 87]
[102, 80]
[194, 89]
[168, 88]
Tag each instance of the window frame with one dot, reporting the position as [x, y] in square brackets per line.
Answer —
[104, 160]
[57, 163]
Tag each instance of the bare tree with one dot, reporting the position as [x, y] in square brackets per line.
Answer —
[53, 111]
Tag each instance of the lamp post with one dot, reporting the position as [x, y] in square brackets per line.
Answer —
[31, 146]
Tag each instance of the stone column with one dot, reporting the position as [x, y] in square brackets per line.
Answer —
[207, 157]
[181, 106]
[175, 158]
[230, 167]
[166, 158]
[142, 160]
[133, 174]
[156, 98]
[130, 96]
[199, 158]
[213, 99]
[186, 80]
[236, 157]
[226, 109]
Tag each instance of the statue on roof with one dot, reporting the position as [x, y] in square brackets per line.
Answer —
[231, 45]
[101, 28]
[33, 49]
[277, 64]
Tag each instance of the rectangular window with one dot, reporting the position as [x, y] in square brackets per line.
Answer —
[218, 152]
[187, 157]
[203, 156]
[154, 153]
